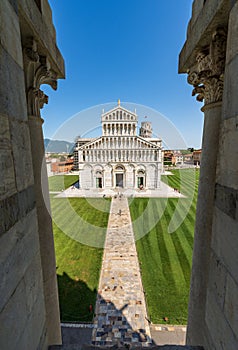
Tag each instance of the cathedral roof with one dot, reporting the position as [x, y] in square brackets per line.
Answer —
[146, 142]
[119, 108]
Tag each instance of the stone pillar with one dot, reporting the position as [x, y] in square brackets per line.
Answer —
[207, 78]
[37, 72]
[46, 232]
[134, 129]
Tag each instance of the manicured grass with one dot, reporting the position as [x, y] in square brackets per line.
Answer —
[78, 265]
[165, 255]
[61, 182]
[165, 258]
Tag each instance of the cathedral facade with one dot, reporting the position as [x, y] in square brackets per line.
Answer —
[120, 158]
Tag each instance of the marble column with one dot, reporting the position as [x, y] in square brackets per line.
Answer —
[207, 78]
[37, 72]
[45, 231]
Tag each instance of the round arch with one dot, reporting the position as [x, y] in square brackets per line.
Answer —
[141, 178]
[119, 176]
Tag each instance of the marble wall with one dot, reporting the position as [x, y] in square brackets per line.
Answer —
[210, 57]
[23, 306]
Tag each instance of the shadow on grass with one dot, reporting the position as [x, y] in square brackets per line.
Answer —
[75, 298]
[75, 301]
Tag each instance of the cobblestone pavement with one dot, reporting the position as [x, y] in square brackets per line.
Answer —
[120, 308]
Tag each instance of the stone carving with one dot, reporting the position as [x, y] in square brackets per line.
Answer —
[36, 100]
[207, 74]
[37, 72]
[30, 50]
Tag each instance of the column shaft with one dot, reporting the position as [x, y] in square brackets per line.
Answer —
[203, 226]
[47, 251]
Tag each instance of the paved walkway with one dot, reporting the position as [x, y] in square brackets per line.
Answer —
[120, 308]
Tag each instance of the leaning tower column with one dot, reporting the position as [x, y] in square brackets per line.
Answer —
[37, 72]
[207, 78]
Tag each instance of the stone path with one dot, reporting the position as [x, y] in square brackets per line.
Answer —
[120, 308]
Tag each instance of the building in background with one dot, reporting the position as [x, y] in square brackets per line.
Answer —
[178, 158]
[59, 163]
[62, 167]
[120, 157]
[168, 158]
[197, 156]
[188, 158]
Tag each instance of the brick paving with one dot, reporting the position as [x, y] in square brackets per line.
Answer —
[120, 314]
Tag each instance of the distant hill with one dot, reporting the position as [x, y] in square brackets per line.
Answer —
[56, 146]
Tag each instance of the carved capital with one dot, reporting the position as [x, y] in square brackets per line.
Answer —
[36, 100]
[44, 74]
[38, 71]
[208, 72]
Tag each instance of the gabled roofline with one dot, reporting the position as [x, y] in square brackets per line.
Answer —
[145, 139]
[90, 142]
[118, 108]
[100, 137]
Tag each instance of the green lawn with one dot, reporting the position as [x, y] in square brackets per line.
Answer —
[61, 182]
[165, 252]
[78, 265]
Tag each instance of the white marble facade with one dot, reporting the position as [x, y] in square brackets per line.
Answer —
[120, 158]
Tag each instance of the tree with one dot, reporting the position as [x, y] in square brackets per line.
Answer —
[62, 158]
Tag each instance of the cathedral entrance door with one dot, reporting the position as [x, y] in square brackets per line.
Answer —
[119, 180]
[140, 181]
[98, 182]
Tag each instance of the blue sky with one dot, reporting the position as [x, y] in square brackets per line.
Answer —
[125, 49]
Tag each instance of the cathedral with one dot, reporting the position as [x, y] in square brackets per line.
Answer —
[120, 158]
